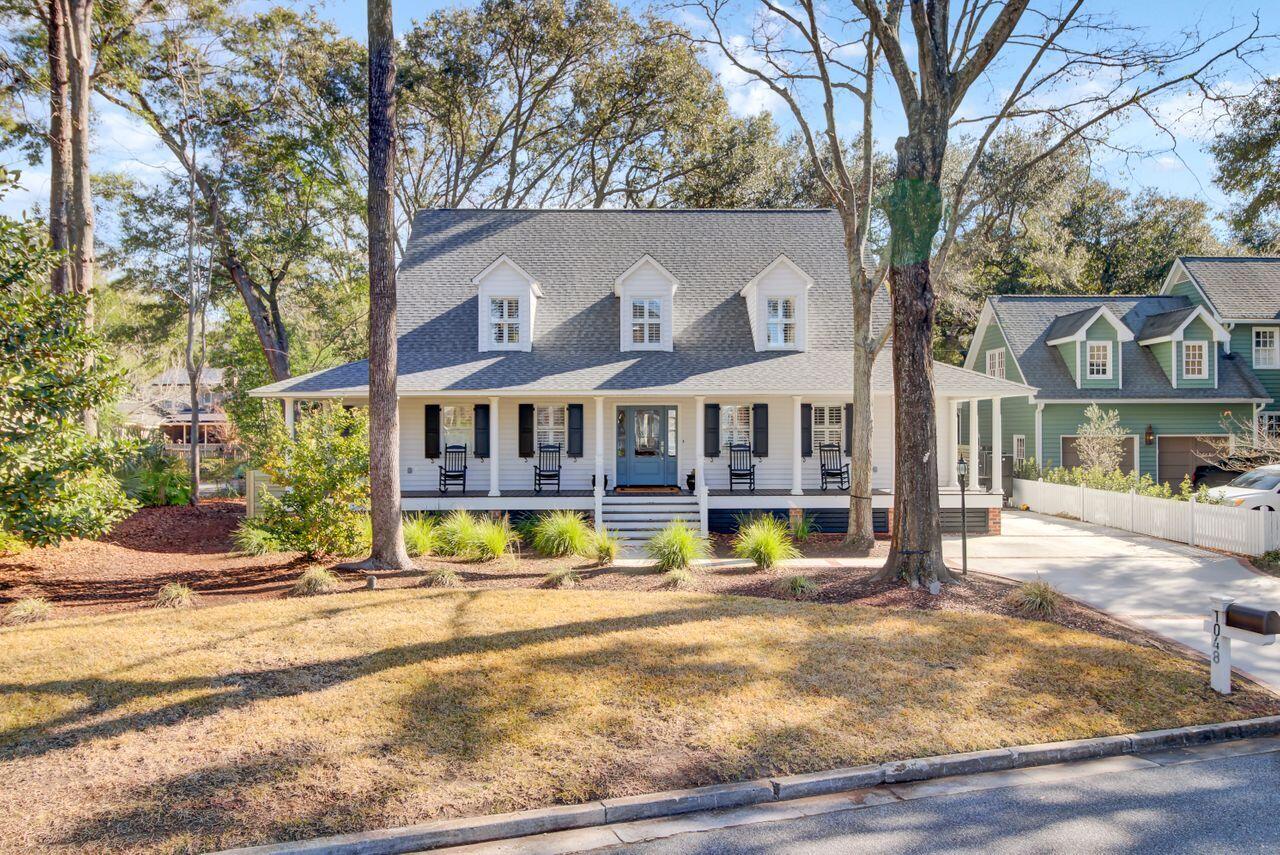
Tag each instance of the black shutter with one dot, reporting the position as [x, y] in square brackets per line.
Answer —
[526, 430]
[432, 442]
[575, 431]
[482, 431]
[711, 431]
[760, 430]
[806, 430]
[848, 429]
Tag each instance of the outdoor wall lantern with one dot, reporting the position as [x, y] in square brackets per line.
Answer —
[1150, 436]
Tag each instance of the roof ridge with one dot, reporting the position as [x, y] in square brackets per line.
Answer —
[628, 210]
[1082, 296]
[1229, 258]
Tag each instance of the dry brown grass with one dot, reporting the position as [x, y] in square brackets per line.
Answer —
[286, 719]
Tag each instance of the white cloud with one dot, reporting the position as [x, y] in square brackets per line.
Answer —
[747, 95]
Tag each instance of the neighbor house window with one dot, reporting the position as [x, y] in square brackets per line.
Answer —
[995, 363]
[504, 320]
[456, 424]
[550, 424]
[1195, 364]
[1098, 360]
[781, 321]
[1019, 448]
[735, 424]
[1266, 347]
[828, 425]
[646, 321]
[1269, 425]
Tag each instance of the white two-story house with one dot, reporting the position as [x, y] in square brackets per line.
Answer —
[643, 345]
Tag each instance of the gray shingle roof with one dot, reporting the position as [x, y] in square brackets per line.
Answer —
[1027, 320]
[576, 256]
[1164, 323]
[1065, 326]
[1238, 287]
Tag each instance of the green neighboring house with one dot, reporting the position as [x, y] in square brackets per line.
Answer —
[1175, 366]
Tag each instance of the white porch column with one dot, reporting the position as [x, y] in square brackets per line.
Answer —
[997, 448]
[797, 487]
[288, 417]
[951, 440]
[1040, 436]
[699, 455]
[494, 447]
[975, 446]
[599, 489]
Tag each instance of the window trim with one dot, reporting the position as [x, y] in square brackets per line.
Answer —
[1088, 369]
[470, 429]
[646, 322]
[1019, 439]
[490, 323]
[825, 430]
[999, 362]
[538, 409]
[726, 409]
[1204, 359]
[782, 322]
[1275, 348]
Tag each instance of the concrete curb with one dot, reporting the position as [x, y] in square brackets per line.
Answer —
[457, 832]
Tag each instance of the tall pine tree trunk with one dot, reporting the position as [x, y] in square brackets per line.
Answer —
[59, 141]
[384, 416]
[860, 531]
[80, 226]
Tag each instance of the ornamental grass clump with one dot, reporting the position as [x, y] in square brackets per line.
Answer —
[252, 538]
[561, 533]
[492, 540]
[680, 578]
[677, 546]
[803, 527]
[766, 540]
[441, 577]
[563, 578]
[26, 610]
[605, 547]
[315, 580]
[456, 531]
[1035, 600]
[421, 535]
[174, 595]
[796, 588]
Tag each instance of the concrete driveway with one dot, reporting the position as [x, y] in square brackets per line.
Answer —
[1156, 584]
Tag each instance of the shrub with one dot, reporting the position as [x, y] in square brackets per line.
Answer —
[764, 540]
[1270, 557]
[680, 578]
[492, 540]
[803, 527]
[26, 610]
[315, 580]
[253, 539]
[10, 543]
[676, 546]
[325, 471]
[441, 577]
[1034, 599]
[604, 547]
[560, 533]
[153, 478]
[565, 577]
[421, 536]
[796, 588]
[1143, 485]
[174, 595]
[455, 532]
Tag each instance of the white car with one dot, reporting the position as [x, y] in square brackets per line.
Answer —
[1258, 489]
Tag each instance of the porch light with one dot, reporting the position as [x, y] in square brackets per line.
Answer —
[1150, 436]
[962, 469]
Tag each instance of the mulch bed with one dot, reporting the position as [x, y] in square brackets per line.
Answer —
[194, 546]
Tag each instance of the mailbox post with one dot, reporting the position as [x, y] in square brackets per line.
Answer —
[1228, 621]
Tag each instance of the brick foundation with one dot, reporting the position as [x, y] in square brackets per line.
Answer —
[993, 520]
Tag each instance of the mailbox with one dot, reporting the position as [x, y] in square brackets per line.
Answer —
[1250, 619]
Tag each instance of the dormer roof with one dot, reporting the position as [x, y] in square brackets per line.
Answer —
[1169, 326]
[1075, 325]
[645, 261]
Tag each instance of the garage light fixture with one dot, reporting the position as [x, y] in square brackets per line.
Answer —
[1150, 436]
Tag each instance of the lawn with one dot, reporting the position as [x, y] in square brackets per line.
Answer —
[274, 719]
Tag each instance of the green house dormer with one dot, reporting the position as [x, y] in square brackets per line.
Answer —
[1090, 345]
[1185, 343]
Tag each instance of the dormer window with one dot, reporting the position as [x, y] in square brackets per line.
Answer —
[777, 306]
[646, 322]
[1195, 362]
[646, 296]
[1099, 360]
[506, 305]
[504, 321]
[781, 321]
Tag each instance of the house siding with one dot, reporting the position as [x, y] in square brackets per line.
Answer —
[1198, 330]
[992, 339]
[1242, 347]
[1101, 330]
[1071, 357]
[1163, 353]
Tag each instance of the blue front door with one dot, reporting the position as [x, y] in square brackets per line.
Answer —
[647, 446]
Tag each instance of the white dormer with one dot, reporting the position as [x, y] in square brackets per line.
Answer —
[778, 306]
[646, 294]
[507, 303]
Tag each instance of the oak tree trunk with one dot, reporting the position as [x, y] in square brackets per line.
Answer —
[860, 532]
[59, 142]
[384, 418]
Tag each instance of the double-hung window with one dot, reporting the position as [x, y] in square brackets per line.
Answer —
[551, 425]
[1195, 362]
[646, 321]
[456, 424]
[828, 425]
[1019, 447]
[504, 320]
[995, 363]
[1269, 425]
[735, 424]
[1266, 347]
[781, 321]
[1098, 360]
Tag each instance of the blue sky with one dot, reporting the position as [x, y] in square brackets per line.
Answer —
[124, 144]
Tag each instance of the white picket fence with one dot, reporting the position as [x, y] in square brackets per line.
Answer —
[1213, 526]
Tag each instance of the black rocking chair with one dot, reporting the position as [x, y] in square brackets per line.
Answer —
[834, 466]
[454, 468]
[547, 469]
[741, 469]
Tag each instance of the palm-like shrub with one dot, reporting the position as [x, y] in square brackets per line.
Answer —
[421, 536]
[677, 546]
[766, 540]
[604, 547]
[153, 478]
[174, 595]
[560, 533]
